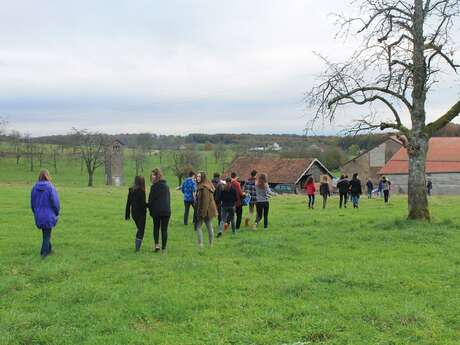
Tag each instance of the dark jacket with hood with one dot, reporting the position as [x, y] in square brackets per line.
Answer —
[136, 205]
[324, 189]
[45, 205]
[228, 197]
[205, 205]
[160, 200]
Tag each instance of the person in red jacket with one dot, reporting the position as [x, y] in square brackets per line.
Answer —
[310, 190]
[239, 195]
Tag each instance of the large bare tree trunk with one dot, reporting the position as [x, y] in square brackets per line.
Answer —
[417, 194]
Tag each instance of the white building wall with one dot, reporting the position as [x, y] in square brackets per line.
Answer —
[443, 184]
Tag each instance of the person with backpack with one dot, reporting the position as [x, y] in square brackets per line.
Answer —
[160, 209]
[263, 193]
[228, 197]
[386, 186]
[355, 190]
[310, 190]
[205, 208]
[188, 189]
[240, 195]
[343, 185]
[137, 208]
[250, 189]
[45, 204]
[370, 188]
[324, 191]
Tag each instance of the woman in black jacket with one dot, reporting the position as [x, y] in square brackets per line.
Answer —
[137, 207]
[343, 185]
[324, 190]
[160, 208]
[355, 190]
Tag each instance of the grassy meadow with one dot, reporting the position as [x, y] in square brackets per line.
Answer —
[329, 276]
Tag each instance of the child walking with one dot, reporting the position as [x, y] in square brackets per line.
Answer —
[227, 203]
[44, 201]
[324, 191]
[310, 189]
[137, 208]
[263, 193]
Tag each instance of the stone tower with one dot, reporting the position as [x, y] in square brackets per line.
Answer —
[114, 163]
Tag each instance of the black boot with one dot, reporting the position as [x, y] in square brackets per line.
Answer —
[138, 244]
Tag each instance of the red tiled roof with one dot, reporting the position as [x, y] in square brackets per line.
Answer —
[279, 170]
[443, 157]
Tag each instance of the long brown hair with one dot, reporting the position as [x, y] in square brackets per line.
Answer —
[139, 183]
[204, 177]
[262, 180]
[44, 175]
[157, 173]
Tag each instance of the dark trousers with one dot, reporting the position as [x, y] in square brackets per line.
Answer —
[262, 211]
[239, 216]
[343, 199]
[311, 200]
[228, 216]
[187, 205]
[386, 195]
[140, 225]
[46, 243]
[324, 200]
[219, 212]
[161, 222]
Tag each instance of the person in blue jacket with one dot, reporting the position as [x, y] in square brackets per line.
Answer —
[189, 189]
[45, 205]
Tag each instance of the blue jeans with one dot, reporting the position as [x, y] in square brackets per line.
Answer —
[355, 200]
[46, 244]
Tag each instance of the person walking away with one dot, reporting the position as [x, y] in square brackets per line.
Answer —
[380, 188]
[429, 187]
[263, 193]
[310, 190]
[386, 186]
[206, 208]
[218, 185]
[239, 194]
[324, 191]
[250, 189]
[228, 199]
[343, 185]
[44, 201]
[137, 208]
[189, 189]
[370, 188]
[159, 208]
[355, 190]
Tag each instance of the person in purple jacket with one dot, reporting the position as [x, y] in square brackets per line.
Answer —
[45, 205]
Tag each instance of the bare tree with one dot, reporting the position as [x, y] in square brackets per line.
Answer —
[17, 140]
[92, 148]
[3, 124]
[139, 159]
[184, 162]
[406, 46]
[55, 153]
[30, 150]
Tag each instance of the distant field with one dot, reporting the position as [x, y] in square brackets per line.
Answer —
[349, 276]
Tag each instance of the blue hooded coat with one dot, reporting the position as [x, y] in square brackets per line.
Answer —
[45, 205]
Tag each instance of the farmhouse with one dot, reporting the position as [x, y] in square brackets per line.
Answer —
[442, 167]
[368, 163]
[284, 175]
[114, 163]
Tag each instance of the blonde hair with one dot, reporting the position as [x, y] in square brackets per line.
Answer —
[44, 175]
[262, 180]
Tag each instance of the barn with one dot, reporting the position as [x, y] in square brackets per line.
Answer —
[285, 175]
[442, 167]
[368, 163]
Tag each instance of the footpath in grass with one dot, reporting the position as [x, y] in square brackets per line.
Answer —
[330, 276]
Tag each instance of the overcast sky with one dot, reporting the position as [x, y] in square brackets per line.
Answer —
[171, 67]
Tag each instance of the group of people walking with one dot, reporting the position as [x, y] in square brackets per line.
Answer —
[224, 199]
[347, 190]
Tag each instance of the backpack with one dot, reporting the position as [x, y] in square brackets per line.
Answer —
[246, 201]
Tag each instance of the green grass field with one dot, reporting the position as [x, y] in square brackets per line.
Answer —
[330, 276]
